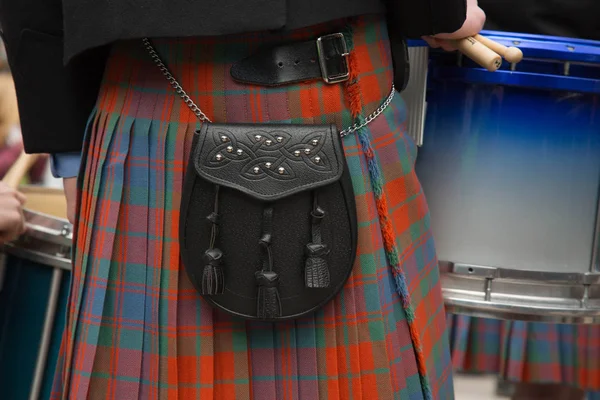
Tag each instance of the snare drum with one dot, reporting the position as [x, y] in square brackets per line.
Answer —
[510, 165]
[33, 297]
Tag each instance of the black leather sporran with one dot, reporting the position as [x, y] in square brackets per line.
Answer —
[268, 219]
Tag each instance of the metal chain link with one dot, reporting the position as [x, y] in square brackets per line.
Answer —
[163, 68]
[202, 117]
[371, 116]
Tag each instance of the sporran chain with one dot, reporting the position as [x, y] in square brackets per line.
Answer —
[203, 118]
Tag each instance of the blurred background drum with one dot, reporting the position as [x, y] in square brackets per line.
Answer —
[510, 165]
[33, 294]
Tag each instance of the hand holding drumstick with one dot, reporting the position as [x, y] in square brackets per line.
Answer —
[467, 40]
[12, 222]
[472, 26]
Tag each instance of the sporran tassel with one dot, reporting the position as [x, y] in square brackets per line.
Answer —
[268, 303]
[316, 270]
[213, 278]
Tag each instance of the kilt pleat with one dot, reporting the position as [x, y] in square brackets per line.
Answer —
[527, 352]
[136, 327]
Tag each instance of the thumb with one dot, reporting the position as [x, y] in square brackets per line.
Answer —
[472, 26]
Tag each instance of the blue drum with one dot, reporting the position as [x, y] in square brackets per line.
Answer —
[510, 165]
[33, 296]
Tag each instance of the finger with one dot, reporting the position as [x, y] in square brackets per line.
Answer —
[21, 197]
[4, 187]
[23, 223]
[7, 192]
[431, 41]
[10, 235]
[19, 227]
[447, 45]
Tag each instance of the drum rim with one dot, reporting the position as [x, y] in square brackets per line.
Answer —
[533, 37]
[482, 309]
[43, 229]
[483, 272]
[48, 227]
[480, 300]
[508, 38]
[50, 260]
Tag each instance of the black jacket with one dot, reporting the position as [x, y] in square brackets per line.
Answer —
[57, 48]
[568, 18]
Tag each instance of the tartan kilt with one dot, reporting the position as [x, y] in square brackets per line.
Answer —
[526, 351]
[136, 328]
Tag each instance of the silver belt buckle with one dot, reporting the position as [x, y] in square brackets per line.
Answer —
[335, 78]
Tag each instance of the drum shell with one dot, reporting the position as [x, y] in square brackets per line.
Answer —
[511, 174]
[510, 165]
[23, 302]
[35, 272]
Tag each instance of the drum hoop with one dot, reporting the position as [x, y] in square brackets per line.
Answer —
[48, 241]
[483, 309]
[51, 260]
[48, 228]
[580, 305]
[486, 272]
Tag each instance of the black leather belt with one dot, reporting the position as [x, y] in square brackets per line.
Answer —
[324, 58]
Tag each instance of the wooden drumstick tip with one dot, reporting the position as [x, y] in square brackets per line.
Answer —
[513, 55]
[479, 53]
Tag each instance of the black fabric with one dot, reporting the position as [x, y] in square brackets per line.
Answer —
[56, 101]
[427, 17]
[399, 50]
[568, 18]
[293, 62]
[255, 281]
[91, 23]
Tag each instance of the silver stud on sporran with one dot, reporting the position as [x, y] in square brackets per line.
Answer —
[269, 142]
[279, 139]
[314, 142]
[257, 137]
[239, 152]
[219, 157]
[307, 151]
[268, 165]
[317, 159]
[281, 170]
[256, 170]
[297, 153]
[229, 149]
[224, 139]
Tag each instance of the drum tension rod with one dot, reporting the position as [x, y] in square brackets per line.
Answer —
[586, 296]
[488, 289]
